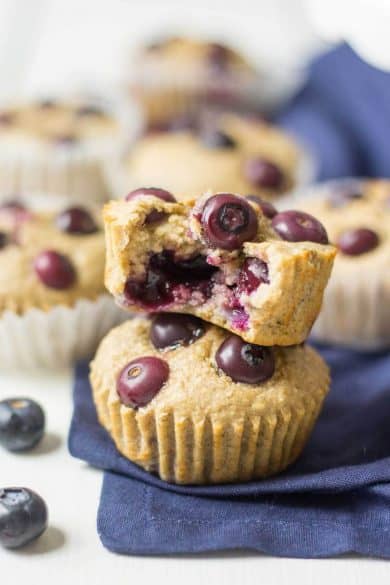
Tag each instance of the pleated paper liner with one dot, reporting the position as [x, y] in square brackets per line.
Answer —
[72, 170]
[58, 337]
[215, 448]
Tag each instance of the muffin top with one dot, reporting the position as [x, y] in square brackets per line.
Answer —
[179, 363]
[200, 56]
[49, 259]
[356, 214]
[57, 123]
[232, 153]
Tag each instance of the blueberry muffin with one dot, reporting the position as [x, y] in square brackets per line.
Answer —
[57, 147]
[228, 153]
[246, 413]
[356, 214]
[177, 76]
[53, 305]
[232, 261]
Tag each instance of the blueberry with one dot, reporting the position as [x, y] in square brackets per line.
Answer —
[65, 139]
[3, 240]
[217, 139]
[22, 424]
[253, 273]
[344, 194]
[89, 110]
[298, 226]
[263, 173]
[141, 379]
[54, 270]
[245, 362]
[228, 221]
[359, 241]
[23, 516]
[266, 207]
[218, 57]
[6, 118]
[173, 330]
[76, 220]
[154, 216]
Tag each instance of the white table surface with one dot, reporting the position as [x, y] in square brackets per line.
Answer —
[70, 553]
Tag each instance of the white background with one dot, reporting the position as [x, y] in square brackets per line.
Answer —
[52, 45]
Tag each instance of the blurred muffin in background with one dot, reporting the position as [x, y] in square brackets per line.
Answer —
[356, 306]
[54, 308]
[179, 75]
[229, 153]
[57, 147]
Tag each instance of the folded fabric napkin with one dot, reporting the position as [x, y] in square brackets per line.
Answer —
[335, 499]
[343, 115]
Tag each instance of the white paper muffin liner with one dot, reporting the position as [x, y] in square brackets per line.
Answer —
[163, 93]
[356, 310]
[58, 337]
[76, 170]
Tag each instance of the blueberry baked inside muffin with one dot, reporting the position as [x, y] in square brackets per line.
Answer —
[196, 404]
[226, 259]
[356, 214]
[222, 153]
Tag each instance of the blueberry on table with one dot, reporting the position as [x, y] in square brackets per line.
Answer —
[23, 516]
[22, 424]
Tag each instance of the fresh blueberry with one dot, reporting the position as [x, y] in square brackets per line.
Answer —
[76, 220]
[173, 330]
[298, 226]
[154, 216]
[213, 138]
[359, 241]
[22, 424]
[263, 173]
[228, 221]
[54, 270]
[141, 379]
[266, 207]
[23, 516]
[245, 362]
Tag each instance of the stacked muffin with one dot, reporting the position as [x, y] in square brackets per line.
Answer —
[218, 386]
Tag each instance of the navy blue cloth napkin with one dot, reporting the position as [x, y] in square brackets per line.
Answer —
[335, 499]
[343, 115]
